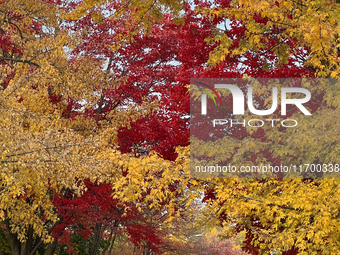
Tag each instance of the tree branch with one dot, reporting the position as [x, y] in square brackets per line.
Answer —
[19, 60]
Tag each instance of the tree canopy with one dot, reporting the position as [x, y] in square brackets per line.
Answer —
[95, 127]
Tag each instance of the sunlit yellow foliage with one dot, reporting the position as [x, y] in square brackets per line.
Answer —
[314, 24]
[41, 151]
[299, 213]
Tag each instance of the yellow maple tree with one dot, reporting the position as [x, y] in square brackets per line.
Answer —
[292, 214]
[42, 151]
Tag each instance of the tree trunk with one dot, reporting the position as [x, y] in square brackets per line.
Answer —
[96, 238]
[28, 247]
[13, 240]
[51, 248]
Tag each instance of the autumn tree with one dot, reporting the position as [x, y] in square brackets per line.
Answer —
[61, 115]
[95, 93]
[273, 39]
[150, 55]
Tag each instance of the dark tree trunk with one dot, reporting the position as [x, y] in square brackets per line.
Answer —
[51, 248]
[96, 238]
[29, 246]
[12, 240]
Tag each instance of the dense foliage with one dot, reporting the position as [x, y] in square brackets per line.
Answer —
[94, 127]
